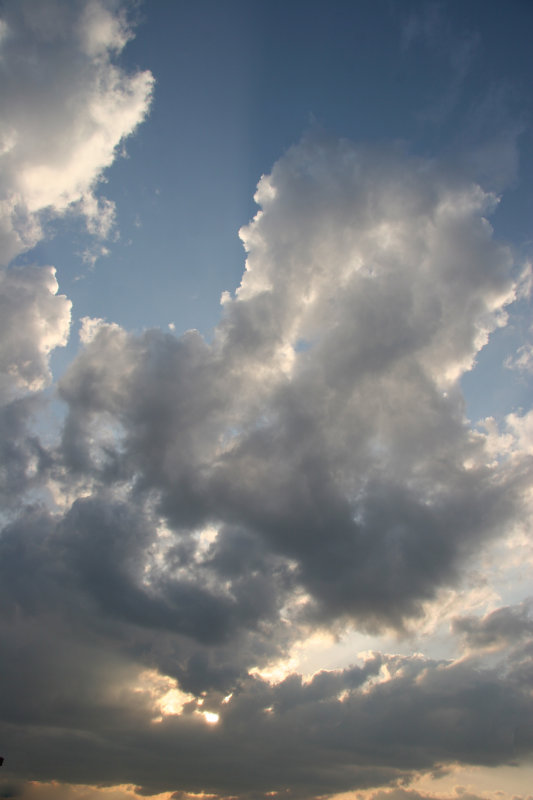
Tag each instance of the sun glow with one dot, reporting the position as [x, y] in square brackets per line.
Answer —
[210, 717]
[167, 698]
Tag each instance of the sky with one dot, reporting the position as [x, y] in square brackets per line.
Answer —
[266, 381]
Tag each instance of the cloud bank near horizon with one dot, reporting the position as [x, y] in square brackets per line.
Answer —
[208, 505]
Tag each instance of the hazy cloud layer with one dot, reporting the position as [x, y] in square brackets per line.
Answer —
[207, 505]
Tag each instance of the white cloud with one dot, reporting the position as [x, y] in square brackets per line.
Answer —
[341, 227]
[78, 107]
[34, 320]
[65, 109]
[522, 360]
[103, 30]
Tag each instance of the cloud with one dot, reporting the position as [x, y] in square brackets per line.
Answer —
[78, 106]
[214, 502]
[66, 106]
[411, 794]
[522, 360]
[348, 729]
[349, 459]
[498, 629]
[205, 506]
[34, 321]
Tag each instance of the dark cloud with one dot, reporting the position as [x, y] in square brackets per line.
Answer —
[411, 794]
[499, 629]
[23, 458]
[9, 790]
[341, 731]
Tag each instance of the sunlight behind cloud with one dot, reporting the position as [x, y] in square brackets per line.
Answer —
[210, 717]
[166, 697]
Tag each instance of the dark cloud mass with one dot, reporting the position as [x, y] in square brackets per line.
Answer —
[206, 505]
[296, 735]
[498, 629]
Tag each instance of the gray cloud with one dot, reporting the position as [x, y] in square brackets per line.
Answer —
[411, 794]
[340, 731]
[349, 459]
[8, 790]
[499, 629]
[218, 500]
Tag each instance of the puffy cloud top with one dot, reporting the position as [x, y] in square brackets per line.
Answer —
[66, 107]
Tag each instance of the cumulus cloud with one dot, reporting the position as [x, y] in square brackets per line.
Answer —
[66, 106]
[77, 107]
[207, 505]
[34, 320]
[325, 420]
[312, 466]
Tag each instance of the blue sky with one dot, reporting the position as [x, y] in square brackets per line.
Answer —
[265, 399]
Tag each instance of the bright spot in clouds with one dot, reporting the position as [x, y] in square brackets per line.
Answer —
[210, 717]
